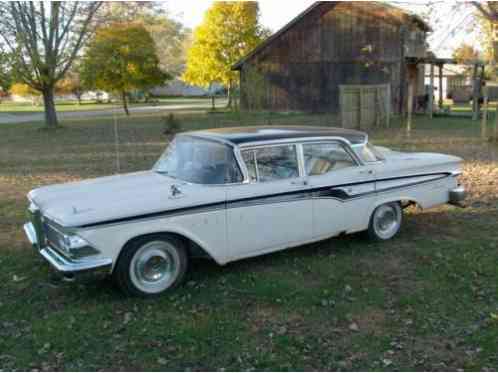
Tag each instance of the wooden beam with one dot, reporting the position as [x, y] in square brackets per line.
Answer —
[440, 103]
[431, 93]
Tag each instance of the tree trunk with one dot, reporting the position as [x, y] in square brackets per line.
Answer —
[213, 106]
[49, 104]
[229, 104]
[125, 103]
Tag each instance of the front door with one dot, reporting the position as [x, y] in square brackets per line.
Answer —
[274, 210]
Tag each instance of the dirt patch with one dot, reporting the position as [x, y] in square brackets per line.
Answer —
[371, 321]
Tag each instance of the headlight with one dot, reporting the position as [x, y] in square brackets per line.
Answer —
[69, 243]
[74, 242]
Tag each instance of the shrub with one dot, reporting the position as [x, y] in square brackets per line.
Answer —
[171, 125]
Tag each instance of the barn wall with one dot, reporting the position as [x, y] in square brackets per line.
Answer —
[337, 43]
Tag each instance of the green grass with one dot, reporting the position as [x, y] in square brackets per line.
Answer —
[423, 301]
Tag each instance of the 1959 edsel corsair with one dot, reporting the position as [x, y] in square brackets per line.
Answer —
[230, 194]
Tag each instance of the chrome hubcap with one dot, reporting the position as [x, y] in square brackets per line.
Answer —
[386, 221]
[154, 267]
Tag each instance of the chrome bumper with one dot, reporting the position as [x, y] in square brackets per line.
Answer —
[63, 264]
[457, 196]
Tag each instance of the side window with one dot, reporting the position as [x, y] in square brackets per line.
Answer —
[320, 159]
[249, 157]
[272, 163]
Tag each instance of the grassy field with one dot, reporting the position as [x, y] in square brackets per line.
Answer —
[427, 300]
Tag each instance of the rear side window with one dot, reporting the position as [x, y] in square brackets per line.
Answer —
[321, 159]
[272, 163]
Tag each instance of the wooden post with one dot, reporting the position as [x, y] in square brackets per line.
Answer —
[495, 130]
[484, 121]
[440, 103]
[411, 94]
[475, 95]
[431, 93]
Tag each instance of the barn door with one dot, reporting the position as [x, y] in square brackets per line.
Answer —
[365, 106]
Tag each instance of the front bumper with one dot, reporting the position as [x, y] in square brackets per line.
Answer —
[457, 196]
[63, 264]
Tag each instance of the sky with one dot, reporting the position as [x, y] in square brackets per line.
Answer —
[276, 13]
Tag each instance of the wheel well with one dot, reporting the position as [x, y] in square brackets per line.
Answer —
[407, 203]
[193, 249]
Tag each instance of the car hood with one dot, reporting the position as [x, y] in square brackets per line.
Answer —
[116, 197]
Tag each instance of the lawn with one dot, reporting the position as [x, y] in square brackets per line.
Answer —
[427, 300]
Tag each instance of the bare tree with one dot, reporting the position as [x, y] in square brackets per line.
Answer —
[44, 38]
[489, 9]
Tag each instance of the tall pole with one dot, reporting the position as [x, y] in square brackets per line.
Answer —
[475, 96]
[484, 121]
[431, 93]
[440, 103]
[411, 94]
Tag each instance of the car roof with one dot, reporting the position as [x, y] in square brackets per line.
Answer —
[246, 135]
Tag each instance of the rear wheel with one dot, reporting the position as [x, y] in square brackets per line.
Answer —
[151, 265]
[385, 222]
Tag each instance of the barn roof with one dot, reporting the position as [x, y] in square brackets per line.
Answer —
[393, 11]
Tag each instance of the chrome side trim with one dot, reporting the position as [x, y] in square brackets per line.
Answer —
[64, 265]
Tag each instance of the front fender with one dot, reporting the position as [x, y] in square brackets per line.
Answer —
[208, 231]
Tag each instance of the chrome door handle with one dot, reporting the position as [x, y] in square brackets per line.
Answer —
[366, 172]
[299, 183]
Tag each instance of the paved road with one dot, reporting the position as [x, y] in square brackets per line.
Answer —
[75, 115]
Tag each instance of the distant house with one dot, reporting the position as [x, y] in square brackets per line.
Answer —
[456, 82]
[182, 89]
[302, 66]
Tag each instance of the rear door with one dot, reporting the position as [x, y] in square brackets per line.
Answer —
[343, 188]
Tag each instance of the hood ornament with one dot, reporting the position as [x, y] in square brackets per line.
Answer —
[175, 191]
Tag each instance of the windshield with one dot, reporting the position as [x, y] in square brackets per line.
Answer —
[199, 161]
[368, 153]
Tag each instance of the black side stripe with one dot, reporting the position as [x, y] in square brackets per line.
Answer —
[329, 192]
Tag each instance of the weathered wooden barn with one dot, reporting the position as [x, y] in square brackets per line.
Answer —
[332, 44]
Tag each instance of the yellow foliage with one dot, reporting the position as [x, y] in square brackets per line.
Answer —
[229, 31]
[23, 90]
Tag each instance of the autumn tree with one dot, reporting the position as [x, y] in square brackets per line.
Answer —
[171, 38]
[44, 38]
[229, 31]
[71, 84]
[121, 58]
[466, 54]
[25, 91]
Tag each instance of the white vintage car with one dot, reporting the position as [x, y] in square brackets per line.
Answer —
[230, 194]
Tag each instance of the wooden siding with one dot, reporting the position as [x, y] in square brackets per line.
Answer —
[336, 43]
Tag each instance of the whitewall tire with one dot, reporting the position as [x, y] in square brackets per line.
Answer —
[385, 221]
[151, 265]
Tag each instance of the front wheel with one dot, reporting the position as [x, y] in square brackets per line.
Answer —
[151, 265]
[385, 222]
